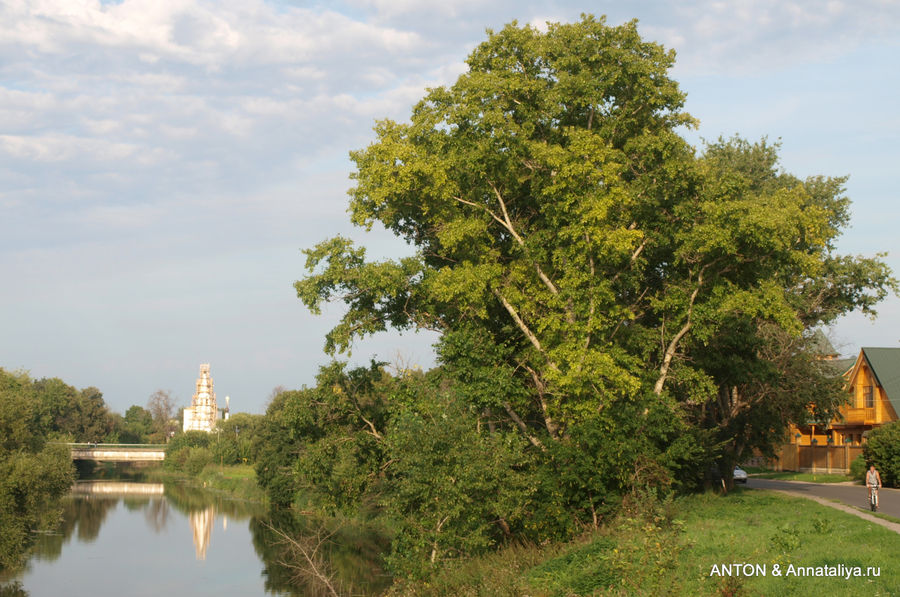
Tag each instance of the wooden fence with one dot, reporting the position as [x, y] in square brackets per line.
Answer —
[816, 459]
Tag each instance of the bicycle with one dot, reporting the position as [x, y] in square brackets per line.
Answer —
[873, 498]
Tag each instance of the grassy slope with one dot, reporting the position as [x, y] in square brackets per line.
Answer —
[672, 551]
[764, 528]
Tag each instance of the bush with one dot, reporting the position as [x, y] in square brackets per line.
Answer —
[858, 468]
[452, 490]
[192, 439]
[189, 452]
[196, 460]
[188, 459]
[883, 450]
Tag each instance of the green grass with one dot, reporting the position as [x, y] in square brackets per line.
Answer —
[768, 529]
[807, 477]
[672, 549]
[239, 480]
[886, 517]
[579, 570]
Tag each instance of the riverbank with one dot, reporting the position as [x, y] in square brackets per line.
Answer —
[750, 542]
[238, 481]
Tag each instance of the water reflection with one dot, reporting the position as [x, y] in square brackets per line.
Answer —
[142, 545]
[302, 553]
[201, 524]
[119, 534]
[89, 514]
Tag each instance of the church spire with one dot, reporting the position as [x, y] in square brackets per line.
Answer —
[201, 415]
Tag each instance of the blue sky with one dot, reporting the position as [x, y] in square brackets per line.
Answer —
[162, 162]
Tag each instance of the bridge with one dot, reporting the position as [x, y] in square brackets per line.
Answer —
[118, 452]
[118, 489]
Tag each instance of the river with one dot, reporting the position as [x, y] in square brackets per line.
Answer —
[125, 538]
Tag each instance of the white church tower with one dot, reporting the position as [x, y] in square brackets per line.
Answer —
[202, 413]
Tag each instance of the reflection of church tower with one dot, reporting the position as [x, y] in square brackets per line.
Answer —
[201, 415]
[201, 524]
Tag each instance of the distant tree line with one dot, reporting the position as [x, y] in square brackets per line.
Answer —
[234, 441]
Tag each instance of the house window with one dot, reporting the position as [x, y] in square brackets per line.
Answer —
[869, 396]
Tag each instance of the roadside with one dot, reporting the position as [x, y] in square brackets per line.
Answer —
[806, 477]
[701, 544]
[846, 497]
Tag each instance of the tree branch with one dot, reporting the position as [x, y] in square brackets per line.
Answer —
[373, 432]
[673, 345]
[521, 324]
[549, 423]
[523, 427]
[308, 548]
[509, 226]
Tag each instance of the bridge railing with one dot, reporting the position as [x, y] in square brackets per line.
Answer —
[90, 446]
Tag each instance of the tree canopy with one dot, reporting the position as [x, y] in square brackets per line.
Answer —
[627, 304]
[571, 238]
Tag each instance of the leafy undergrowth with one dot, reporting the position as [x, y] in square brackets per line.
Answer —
[682, 547]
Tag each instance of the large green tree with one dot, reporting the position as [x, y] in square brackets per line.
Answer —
[33, 473]
[591, 275]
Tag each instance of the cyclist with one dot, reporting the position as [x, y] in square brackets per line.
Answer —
[873, 480]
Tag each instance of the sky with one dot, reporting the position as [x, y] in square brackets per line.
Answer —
[164, 162]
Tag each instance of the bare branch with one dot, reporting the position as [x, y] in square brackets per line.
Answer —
[673, 345]
[307, 548]
[373, 432]
[523, 427]
[485, 208]
[521, 324]
[552, 426]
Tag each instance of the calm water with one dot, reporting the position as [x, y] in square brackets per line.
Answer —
[123, 538]
[145, 539]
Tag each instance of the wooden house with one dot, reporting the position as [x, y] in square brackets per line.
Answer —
[874, 386]
[873, 382]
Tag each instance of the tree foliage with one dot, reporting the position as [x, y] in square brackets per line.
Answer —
[882, 449]
[81, 415]
[234, 441]
[136, 426]
[561, 220]
[625, 305]
[322, 445]
[33, 473]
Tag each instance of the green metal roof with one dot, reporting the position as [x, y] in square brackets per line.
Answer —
[885, 364]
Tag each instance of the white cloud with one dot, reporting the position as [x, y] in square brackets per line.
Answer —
[55, 148]
[387, 9]
[145, 140]
[757, 35]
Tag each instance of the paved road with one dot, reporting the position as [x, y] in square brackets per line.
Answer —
[850, 495]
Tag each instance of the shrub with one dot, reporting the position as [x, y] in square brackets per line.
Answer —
[858, 468]
[197, 459]
[883, 450]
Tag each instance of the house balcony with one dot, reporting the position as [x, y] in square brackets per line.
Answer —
[858, 416]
